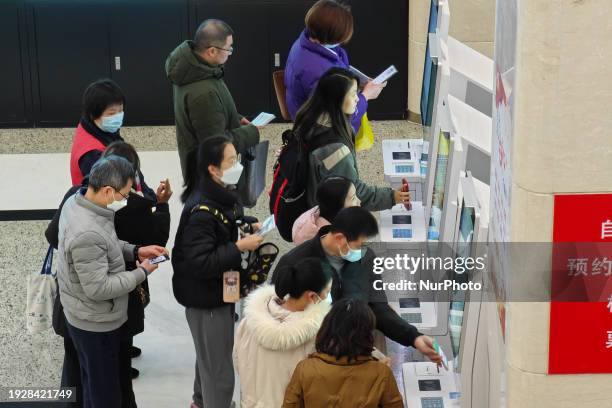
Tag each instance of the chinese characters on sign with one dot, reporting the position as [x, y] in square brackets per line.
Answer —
[580, 266]
[581, 283]
[606, 229]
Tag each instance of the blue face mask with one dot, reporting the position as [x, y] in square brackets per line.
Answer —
[353, 255]
[331, 46]
[111, 124]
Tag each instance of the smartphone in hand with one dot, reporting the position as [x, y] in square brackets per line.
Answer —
[159, 259]
[406, 188]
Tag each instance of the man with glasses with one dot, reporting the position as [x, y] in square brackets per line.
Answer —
[93, 280]
[203, 105]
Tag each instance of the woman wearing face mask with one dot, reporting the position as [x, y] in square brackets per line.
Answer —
[329, 24]
[324, 117]
[278, 330]
[99, 126]
[333, 194]
[208, 244]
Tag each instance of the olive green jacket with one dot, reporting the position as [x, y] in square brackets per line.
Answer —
[203, 105]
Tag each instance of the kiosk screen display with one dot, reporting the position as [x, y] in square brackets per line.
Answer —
[405, 233]
[412, 318]
[404, 168]
[429, 385]
[401, 155]
[409, 303]
[437, 199]
[432, 402]
[457, 305]
[401, 219]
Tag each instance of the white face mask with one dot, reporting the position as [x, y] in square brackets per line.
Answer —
[232, 175]
[117, 205]
[331, 46]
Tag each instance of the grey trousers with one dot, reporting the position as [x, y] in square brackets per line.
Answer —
[213, 336]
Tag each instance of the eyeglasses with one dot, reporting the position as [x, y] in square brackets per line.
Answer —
[120, 193]
[229, 50]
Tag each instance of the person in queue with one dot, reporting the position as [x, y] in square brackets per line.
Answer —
[203, 105]
[333, 194]
[99, 126]
[278, 330]
[329, 25]
[145, 220]
[324, 117]
[208, 244]
[93, 280]
[342, 372]
[340, 248]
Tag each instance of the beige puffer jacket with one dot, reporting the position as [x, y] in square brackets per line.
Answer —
[269, 343]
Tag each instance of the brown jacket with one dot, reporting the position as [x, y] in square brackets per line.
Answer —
[321, 381]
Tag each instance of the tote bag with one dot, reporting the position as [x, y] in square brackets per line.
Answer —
[41, 292]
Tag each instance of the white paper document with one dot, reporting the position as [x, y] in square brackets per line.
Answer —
[263, 119]
[385, 75]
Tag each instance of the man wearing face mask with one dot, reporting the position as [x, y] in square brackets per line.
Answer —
[339, 246]
[98, 127]
[203, 105]
[93, 280]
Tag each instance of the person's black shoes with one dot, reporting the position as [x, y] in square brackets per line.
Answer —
[135, 352]
[135, 373]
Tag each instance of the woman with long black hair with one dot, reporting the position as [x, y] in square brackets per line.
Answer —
[324, 120]
[208, 244]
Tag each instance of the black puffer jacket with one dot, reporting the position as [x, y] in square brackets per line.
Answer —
[205, 246]
[355, 280]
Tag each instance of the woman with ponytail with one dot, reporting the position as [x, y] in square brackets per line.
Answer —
[278, 330]
[208, 244]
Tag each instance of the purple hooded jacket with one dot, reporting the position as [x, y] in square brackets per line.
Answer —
[306, 63]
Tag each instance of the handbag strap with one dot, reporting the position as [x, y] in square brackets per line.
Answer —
[215, 212]
[46, 268]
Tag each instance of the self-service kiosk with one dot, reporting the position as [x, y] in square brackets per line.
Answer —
[425, 384]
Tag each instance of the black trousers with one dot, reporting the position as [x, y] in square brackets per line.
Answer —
[99, 360]
[71, 373]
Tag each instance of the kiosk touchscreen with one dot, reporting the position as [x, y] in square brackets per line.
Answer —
[443, 212]
[439, 20]
[466, 317]
[424, 383]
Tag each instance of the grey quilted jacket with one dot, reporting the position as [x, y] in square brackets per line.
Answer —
[93, 282]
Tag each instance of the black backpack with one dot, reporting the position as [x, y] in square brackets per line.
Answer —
[288, 196]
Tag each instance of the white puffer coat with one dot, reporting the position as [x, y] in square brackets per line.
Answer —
[269, 343]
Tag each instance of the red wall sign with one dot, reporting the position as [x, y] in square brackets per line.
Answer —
[581, 305]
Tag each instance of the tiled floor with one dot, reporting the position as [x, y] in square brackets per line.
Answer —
[168, 357]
